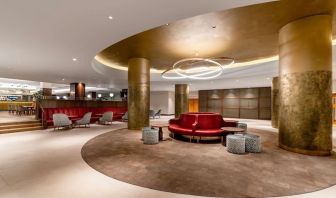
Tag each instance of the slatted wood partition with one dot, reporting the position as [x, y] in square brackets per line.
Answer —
[250, 103]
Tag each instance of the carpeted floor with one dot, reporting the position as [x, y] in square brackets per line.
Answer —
[208, 169]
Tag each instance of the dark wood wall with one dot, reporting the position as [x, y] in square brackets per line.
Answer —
[250, 103]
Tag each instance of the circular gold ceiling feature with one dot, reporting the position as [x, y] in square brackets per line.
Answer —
[247, 33]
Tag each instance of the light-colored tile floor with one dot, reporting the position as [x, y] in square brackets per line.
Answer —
[49, 164]
[6, 117]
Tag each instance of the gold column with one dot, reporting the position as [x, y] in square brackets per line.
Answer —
[305, 117]
[138, 93]
[181, 99]
[275, 102]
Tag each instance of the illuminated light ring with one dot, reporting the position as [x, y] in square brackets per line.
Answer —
[199, 76]
[163, 75]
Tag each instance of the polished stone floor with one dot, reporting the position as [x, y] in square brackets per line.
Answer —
[49, 164]
[6, 117]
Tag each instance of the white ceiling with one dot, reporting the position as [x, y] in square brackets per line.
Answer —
[39, 38]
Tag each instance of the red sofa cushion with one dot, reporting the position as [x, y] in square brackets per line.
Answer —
[179, 129]
[209, 121]
[208, 132]
[187, 120]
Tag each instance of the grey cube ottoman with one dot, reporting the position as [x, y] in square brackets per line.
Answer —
[252, 143]
[235, 144]
[242, 126]
[143, 131]
[151, 136]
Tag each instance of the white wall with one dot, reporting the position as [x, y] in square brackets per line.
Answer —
[164, 100]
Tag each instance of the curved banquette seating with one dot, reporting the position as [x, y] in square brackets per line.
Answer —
[76, 113]
[199, 124]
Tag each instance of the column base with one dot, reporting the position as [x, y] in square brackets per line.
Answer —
[305, 152]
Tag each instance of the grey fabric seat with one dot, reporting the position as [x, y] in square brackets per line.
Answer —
[235, 144]
[242, 126]
[85, 120]
[252, 143]
[151, 136]
[144, 129]
[124, 117]
[61, 120]
[152, 114]
[106, 118]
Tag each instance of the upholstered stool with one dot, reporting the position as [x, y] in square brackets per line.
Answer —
[143, 131]
[151, 136]
[235, 144]
[252, 143]
[242, 126]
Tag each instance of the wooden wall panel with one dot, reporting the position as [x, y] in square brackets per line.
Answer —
[203, 100]
[250, 103]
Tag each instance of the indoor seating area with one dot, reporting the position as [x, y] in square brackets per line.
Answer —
[176, 99]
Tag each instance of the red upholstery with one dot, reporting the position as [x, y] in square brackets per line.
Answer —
[209, 121]
[199, 124]
[78, 112]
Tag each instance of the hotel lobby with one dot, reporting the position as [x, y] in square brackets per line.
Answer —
[154, 98]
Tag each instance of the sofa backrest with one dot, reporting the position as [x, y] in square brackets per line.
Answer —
[209, 121]
[80, 111]
[187, 120]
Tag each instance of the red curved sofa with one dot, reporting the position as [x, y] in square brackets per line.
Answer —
[199, 124]
[78, 112]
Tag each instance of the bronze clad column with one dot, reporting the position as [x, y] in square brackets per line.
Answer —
[181, 99]
[275, 102]
[77, 91]
[138, 93]
[305, 86]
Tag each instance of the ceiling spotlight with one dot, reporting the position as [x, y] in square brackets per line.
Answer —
[63, 79]
[65, 97]
[57, 97]
[213, 26]
[111, 95]
[99, 95]
[89, 96]
[110, 17]
[74, 59]
[167, 23]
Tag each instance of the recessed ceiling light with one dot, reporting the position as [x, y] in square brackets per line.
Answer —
[110, 17]
[213, 26]
[63, 79]
[268, 78]
[74, 59]
[167, 23]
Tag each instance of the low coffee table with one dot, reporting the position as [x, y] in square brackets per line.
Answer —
[160, 126]
[230, 130]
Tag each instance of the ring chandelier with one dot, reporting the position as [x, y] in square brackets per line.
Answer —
[197, 68]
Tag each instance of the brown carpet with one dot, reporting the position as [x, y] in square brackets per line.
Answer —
[208, 169]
